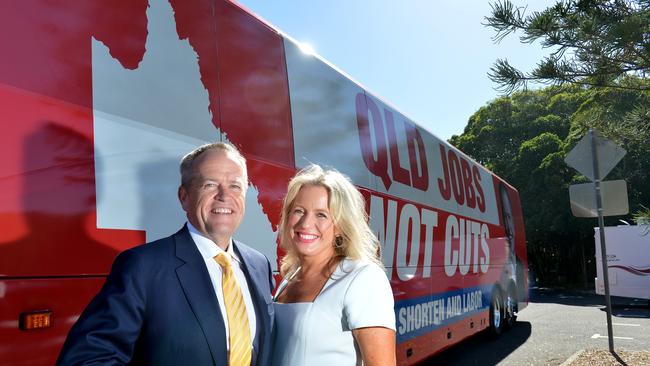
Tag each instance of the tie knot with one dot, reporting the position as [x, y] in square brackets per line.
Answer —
[223, 260]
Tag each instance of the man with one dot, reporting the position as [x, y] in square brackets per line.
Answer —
[198, 297]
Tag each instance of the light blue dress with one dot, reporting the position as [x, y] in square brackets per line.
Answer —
[357, 295]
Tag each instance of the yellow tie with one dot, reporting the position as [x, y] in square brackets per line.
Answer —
[240, 352]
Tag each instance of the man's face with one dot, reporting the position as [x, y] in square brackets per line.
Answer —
[215, 196]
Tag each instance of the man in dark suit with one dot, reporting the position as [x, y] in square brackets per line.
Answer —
[163, 303]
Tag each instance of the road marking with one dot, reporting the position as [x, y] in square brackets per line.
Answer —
[595, 336]
[627, 325]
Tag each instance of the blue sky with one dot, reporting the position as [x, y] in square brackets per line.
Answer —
[427, 58]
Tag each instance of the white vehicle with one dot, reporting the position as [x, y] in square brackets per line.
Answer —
[628, 261]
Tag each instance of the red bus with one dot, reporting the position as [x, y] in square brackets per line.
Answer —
[100, 99]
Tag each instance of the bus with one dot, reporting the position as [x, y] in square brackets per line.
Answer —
[99, 100]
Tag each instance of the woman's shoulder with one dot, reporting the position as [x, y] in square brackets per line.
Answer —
[356, 268]
[368, 299]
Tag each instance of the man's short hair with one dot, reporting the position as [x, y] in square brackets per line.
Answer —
[187, 162]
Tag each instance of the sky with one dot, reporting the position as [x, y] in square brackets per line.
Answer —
[427, 58]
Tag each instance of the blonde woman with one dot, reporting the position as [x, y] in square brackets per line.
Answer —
[335, 304]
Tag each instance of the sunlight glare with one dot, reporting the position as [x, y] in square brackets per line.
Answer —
[307, 48]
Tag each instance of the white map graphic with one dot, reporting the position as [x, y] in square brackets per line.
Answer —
[145, 120]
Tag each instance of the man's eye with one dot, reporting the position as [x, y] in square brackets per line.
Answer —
[209, 185]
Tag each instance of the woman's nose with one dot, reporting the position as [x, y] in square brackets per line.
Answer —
[305, 221]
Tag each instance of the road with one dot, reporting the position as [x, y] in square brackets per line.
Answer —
[554, 326]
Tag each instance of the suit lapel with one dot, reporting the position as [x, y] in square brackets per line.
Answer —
[197, 286]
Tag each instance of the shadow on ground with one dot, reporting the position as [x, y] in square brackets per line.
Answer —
[565, 297]
[623, 305]
[485, 351]
[631, 308]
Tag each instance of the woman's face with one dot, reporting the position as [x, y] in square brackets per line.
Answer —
[310, 224]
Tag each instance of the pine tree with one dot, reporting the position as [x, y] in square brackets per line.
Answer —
[593, 42]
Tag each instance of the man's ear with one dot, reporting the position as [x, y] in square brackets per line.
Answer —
[182, 197]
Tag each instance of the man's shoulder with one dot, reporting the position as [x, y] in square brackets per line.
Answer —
[159, 247]
[245, 249]
[250, 254]
[146, 259]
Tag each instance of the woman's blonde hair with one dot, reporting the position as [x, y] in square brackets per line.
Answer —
[347, 208]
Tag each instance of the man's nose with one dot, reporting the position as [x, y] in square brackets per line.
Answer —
[220, 194]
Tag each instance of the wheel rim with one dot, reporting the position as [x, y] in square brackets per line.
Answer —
[510, 307]
[496, 312]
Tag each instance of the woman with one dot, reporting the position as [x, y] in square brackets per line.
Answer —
[335, 305]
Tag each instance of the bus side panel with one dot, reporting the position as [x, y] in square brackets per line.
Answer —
[323, 116]
[255, 115]
[434, 210]
[47, 171]
[259, 227]
[420, 348]
[512, 230]
[430, 323]
[64, 297]
[521, 251]
[92, 117]
[254, 110]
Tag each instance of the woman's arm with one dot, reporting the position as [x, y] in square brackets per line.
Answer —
[377, 345]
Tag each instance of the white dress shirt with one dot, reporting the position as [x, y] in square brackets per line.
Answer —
[209, 250]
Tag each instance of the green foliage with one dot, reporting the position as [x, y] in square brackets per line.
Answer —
[622, 115]
[535, 158]
[494, 133]
[593, 42]
[600, 56]
[642, 216]
[525, 137]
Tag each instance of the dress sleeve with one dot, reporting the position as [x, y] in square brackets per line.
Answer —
[368, 300]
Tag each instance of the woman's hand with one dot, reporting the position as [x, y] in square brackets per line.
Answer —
[377, 345]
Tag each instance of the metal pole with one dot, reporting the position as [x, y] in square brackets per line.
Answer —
[584, 267]
[601, 229]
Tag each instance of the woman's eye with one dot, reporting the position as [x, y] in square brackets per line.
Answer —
[322, 215]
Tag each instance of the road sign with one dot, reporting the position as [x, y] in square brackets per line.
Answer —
[581, 157]
[595, 156]
[613, 194]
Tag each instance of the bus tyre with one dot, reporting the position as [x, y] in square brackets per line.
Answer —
[511, 308]
[497, 313]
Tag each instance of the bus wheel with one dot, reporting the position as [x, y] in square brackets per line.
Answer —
[496, 313]
[511, 308]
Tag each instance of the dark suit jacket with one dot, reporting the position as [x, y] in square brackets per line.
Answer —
[158, 307]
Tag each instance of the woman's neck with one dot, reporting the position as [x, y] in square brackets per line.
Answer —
[314, 266]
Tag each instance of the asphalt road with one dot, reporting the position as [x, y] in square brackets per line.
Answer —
[554, 326]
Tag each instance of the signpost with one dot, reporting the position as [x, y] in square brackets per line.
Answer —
[595, 156]
[613, 195]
